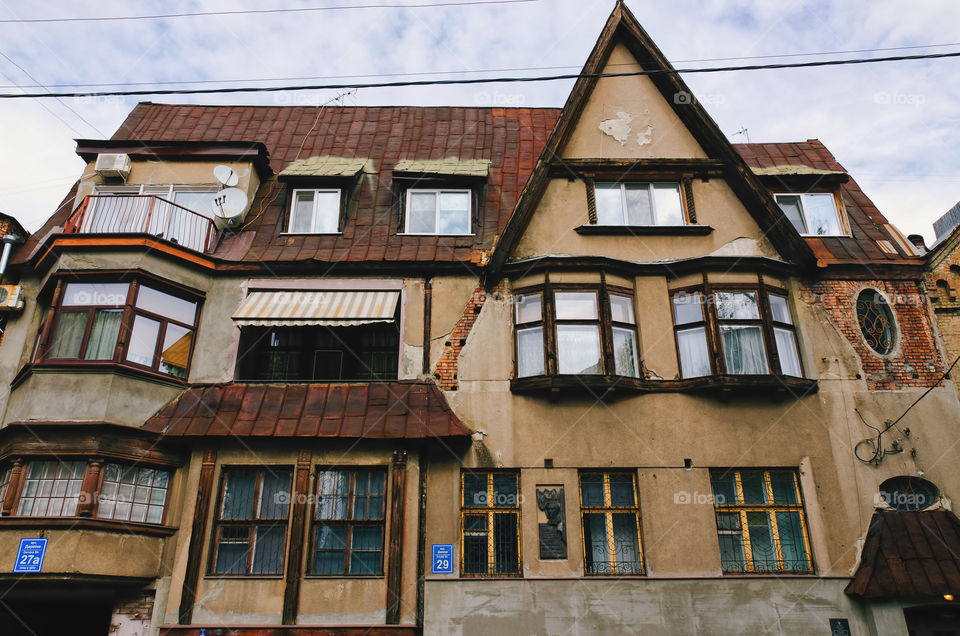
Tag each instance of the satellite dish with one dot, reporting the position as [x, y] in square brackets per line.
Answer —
[226, 176]
[229, 206]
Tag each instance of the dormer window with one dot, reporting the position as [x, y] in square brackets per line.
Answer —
[439, 212]
[812, 213]
[639, 204]
[315, 212]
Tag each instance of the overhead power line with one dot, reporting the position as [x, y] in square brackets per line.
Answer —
[482, 70]
[164, 16]
[467, 81]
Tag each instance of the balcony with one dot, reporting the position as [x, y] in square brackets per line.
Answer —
[143, 214]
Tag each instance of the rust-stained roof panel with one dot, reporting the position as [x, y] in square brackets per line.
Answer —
[909, 556]
[388, 410]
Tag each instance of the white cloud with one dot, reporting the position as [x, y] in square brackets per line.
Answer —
[894, 126]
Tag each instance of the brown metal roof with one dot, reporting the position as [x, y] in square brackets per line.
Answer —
[909, 556]
[388, 410]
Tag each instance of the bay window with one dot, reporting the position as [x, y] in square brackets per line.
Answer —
[735, 331]
[576, 330]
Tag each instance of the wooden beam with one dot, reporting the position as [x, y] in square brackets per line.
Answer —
[398, 490]
[198, 532]
[301, 490]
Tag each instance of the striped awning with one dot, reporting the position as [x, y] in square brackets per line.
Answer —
[316, 308]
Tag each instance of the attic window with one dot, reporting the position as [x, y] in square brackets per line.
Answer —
[441, 212]
[639, 204]
[812, 213]
[315, 212]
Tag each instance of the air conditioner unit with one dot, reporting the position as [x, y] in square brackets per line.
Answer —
[11, 297]
[111, 165]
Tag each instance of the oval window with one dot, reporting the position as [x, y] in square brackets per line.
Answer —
[909, 493]
[876, 321]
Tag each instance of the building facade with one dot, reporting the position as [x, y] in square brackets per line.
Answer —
[397, 370]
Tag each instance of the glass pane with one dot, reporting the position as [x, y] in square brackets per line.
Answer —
[694, 355]
[232, 551]
[165, 305]
[595, 541]
[68, 335]
[332, 487]
[576, 305]
[505, 491]
[790, 204]
[784, 487]
[591, 490]
[780, 310]
[737, 305]
[268, 550]
[143, 340]
[365, 562]
[793, 548]
[175, 352]
[506, 548]
[578, 349]
[625, 352]
[475, 545]
[639, 211]
[530, 352]
[529, 308]
[421, 217]
[100, 294]
[761, 541]
[454, 213]
[743, 350]
[330, 549]
[669, 209]
[724, 488]
[275, 497]
[626, 543]
[475, 490]
[609, 204]
[327, 216]
[621, 490]
[821, 212]
[103, 334]
[238, 494]
[621, 309]
[754, 490]
[196, 201]
[687, 308]
[732, 558]
[302, 216]
[787, 351]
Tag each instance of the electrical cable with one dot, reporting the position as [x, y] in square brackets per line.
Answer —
[490, 80]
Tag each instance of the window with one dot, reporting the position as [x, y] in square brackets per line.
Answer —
[198, 199]
[133, 493]
[315, 212]
[639, 204]
[366, 352]
[593, 332]
[91, 315]
[490, 523]
[760, 521]
[252, 521]
[813, 214]
[876, 321]
[753, 337]
[348, 524]
[438, 212]
[611, 523]
[51, 489]
[905, 492]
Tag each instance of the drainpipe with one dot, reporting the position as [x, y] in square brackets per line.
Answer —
[8, 242]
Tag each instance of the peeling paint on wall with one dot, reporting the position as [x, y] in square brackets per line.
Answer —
[618, 128]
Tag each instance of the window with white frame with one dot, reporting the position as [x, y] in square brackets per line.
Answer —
[639, 204]
[315, 212]
[197, 199]
[812, 213]
[443, 212]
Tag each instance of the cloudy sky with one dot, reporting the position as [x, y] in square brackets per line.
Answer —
[895, 126]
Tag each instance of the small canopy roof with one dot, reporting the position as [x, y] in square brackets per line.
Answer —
[316, 308]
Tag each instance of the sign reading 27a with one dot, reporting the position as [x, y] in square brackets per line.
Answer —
[30, 555]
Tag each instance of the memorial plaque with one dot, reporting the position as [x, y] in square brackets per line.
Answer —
[553, 539]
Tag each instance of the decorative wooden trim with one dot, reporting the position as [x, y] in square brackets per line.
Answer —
[644, 230]
[672, 269]
[609, 386]
[398, 490]
[198, 532]
[13, 489]
[591, 200]
[687, 183]
[423, 464]
[90, 488]
[301, 490]
[427, 311]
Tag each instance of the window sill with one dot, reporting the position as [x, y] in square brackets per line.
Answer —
[327, 577]
[616, 384]
[432, 234]
[86, 366]
[644, 230]
[311, 233]
[244, 577]
[88, 523]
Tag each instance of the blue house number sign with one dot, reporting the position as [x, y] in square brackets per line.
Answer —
[442, 558]
[30, 555]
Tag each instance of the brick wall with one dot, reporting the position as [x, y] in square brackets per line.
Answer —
[446, 369]
[915, 360]
[132, 615]
[943, 287]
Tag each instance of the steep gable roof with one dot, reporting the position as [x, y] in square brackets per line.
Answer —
[622, 26]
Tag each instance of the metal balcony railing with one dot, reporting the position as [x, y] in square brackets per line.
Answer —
[142, 214]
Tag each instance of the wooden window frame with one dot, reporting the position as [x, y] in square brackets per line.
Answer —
[712, 323]
[741, 509]
[604, 321]
[608, 510]
[684, 196]
[489, 511]
[348, 522]
[252, 523]
[292, 201]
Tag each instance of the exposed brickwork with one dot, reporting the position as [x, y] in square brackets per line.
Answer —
[943, 287]
[446, 369]
[132, 615]
[915, 360]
